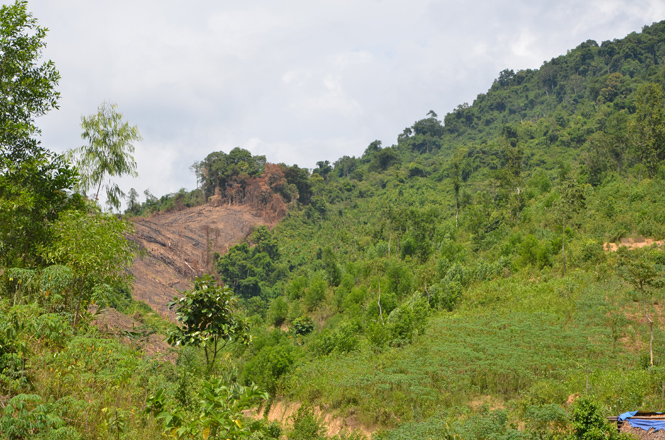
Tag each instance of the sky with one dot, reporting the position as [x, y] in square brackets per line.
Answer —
[297, 81]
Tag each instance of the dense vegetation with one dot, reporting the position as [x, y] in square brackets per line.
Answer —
[453, 285]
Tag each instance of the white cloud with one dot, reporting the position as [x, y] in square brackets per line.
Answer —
[297, 81]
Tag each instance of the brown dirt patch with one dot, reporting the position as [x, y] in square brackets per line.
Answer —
[283, 412]
[572, 398]
[632, 243]
[641, 433]
[180, 245]
[491, 402]
[132, 332]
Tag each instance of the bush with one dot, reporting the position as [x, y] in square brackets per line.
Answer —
[306, 426]
[533, 253]
[342, 340]
[278, 311]
[589, 423]
[27, 416]
[269, 365]
[316, 293]
[303, 326]
[445, 295]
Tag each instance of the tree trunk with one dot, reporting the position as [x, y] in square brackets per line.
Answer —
[563, 247]
[456, 208]
[98, 188]
[379, 303]
[78, 304]
[646, 315]
[76, 314]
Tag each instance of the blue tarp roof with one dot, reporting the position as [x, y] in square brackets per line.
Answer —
[634, 420]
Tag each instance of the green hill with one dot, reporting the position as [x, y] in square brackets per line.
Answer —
[419, 312]
[458, 284]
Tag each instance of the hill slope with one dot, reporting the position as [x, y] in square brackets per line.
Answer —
[179, 246]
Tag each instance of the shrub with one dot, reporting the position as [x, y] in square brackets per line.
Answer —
[278, 311]
[445, 295]
[303, 325]
[316, 293]
[306, 426]
[589, 423]
[269, 365]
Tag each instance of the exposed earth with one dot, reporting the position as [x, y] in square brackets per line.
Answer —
[178, 246]
[632, 243]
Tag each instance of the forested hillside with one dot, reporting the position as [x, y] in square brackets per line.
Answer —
[461, 283]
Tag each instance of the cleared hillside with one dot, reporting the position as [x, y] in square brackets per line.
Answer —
[180, 245]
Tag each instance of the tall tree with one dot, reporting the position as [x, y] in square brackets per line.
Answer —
[108, 153]
[345, 165]
[323, 168]
[571, 201]
[648, 127]
[641, 273]
[33, 181]
[27, 85]
[32, 194]
[455, 173]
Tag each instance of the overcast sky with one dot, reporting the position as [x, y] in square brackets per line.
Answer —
[297, 81]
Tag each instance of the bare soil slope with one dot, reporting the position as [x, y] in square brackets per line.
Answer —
[180, 245]
[632, 243]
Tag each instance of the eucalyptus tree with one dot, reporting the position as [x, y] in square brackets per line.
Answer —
[571, 201]
[109, 152]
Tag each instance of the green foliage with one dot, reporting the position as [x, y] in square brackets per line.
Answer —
[96, 263]
[221, 170]
[648, 127]
[209, 318]
[333, 271]
[28, 86]
[278, 311]
[488, 424]
[32, 193]
[316, 292]
[108, 153]
[342, 340]
[431, 268]
[306, 426]
[28, 416]
[217, 414]
[303, 326]
[269, 365]
[589, 423]
[244, 268]
[533, 253]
